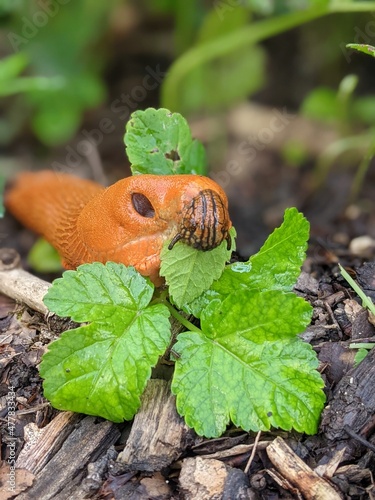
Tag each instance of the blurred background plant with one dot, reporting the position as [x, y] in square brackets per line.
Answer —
[75, 70]
[56, 44]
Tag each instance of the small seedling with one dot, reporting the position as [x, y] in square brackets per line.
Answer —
[367, 303]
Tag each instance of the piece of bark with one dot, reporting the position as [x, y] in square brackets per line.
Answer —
[366, 278]
[337, 358]
[359, 317]
[43, 444]
[298, 473]
[88, 440]
[328, 470]
[158, 435]
[25, 288]
[284, 483]
[209, 479]
[241, 449]
[153, 487]
[353, 403]
[96, 474]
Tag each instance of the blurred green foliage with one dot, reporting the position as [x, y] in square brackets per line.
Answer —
[57, 54]
[225, 63]
[43, 258]
[351, 116]
[54, 45]
[327, 105]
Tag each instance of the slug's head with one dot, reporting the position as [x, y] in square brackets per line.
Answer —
[205, 222]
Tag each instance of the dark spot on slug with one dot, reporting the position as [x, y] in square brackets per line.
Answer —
[142, 205]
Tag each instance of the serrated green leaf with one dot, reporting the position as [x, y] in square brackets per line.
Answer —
[159, 142]
[94, 291]
[278, 263]
[248, 367]
[188, 271]
[102, 368]
[265, 317]
[276, 266]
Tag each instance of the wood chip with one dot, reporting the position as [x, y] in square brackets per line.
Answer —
[88, 440]
[42, 444]
[298, 473]
[158, 435]
[25, 288]
[208, 479]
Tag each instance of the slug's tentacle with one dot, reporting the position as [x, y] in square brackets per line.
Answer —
[127, 222]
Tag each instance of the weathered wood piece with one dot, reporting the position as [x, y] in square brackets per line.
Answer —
[298, 473]
[89, 440]
[209, 479]
[158, 434]
[25, 288]
[43, 444]
[353, 403]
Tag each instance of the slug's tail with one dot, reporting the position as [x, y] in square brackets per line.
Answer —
[49, 203]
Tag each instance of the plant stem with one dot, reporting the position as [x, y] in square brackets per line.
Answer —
[340, 6]
[185, 322]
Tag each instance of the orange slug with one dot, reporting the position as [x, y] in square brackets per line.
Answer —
[127, 222]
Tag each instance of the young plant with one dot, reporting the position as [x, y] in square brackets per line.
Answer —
[367, 303]
[244, 363]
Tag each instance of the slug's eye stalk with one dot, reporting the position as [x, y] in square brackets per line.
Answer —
[205, 222]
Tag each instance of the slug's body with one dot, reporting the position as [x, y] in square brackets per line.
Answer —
[127, 222]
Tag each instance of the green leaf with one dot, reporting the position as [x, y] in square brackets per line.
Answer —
[360, 356]
[362, 47]
[43, 257]
[363, 109]
[12, 66]
[278, 263]
[321, 105]
[366, 300]
[67, 103]
[276, 266]
[189, 272]
[247, 366]
[201, 56]
[159, 142]
[102, 368]
[220, 82]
